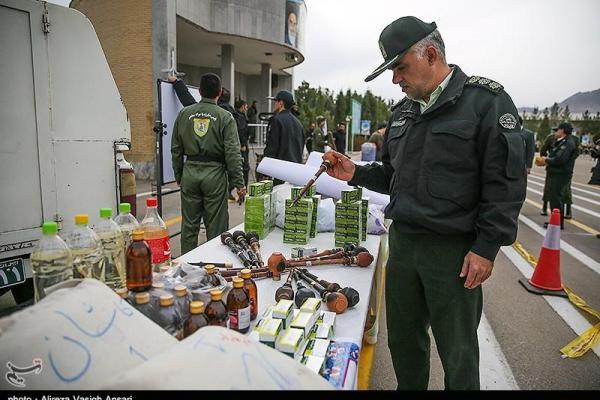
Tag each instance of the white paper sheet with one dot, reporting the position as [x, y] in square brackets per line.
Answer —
[299, 174]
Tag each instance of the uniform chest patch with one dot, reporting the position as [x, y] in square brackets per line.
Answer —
[201, 126]
[508, 121]
[398, 122]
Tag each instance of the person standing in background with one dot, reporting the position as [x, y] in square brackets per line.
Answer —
[252, 119]
[529, 138]
[340, 137]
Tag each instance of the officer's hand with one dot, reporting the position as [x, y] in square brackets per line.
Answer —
[477, 269]
[241, 192]
[171, 78]
[540, 161]
[344, 169]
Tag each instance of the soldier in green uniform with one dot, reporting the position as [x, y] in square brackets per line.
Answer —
[559, 167]
[453, 162]
[548, 143]
[205, 150]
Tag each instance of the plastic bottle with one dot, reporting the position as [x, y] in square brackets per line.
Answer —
[238, 306]
[158, 289]
[139, 264]
[113, 247]
[85, 245]
[168, 316]
[157, 235]
[182, 301]
[51, 261]
[127, 222]
[142, 304]
[250, 286]
[196, 320]
[216, 310]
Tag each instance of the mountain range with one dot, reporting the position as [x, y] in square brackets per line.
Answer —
[578, 103]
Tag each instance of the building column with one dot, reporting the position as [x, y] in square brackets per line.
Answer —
[265, 87]
[228, 70]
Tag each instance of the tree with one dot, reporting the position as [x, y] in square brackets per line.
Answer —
[586, 115]
[535, 112]
[544, 128]
[566, 114]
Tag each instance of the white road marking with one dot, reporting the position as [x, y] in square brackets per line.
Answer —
[575, 207]
[562, 306]
[574, 195]
[543, 178]
[494, 370]
[577, 254]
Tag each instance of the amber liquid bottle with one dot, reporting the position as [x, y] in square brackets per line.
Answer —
[139, 264]
[238, 304]
[196, 320]
[212, 275]
[250, 286]
[216, 310]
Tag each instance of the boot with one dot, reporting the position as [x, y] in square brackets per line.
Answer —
[568, 211]
[544, 208]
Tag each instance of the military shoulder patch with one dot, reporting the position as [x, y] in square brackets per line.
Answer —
[508, 121]
[485, 83]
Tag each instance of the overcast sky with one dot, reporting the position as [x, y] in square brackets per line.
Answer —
[540, 50]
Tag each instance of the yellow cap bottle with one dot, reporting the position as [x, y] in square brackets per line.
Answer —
[196, 307]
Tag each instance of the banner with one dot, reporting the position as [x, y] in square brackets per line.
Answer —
[356, 110]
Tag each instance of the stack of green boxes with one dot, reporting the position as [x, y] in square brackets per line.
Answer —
[349, 217]
[365, 211]
[272, 197]
[316, 199]
[298, 219]
[258, 210]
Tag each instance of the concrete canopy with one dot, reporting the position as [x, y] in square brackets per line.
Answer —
[200, 47]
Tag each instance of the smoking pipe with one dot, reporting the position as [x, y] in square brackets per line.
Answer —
[239, 238]
[252, 238]
[329, 160]
[351, 294]
[286, 291]
[227, 239]
[336, 302]
[302, 292]
[217, 265]
[339, 254]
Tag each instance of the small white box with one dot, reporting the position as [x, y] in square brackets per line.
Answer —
[290, 342]
[305, 321]
[317, 347]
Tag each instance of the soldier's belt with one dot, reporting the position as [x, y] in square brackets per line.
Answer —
[204, 158]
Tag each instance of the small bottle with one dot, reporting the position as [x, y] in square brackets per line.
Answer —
[196, 320]
[158, 289]
[142, 304]
[85, 245]
[182, 301]
[216, 310]
[238, 304]
[127, 223]
[168, 317]
[51, 261]
[139, 263]
[212, 275]
[157, 235]
[250, 286]
[114, 249]
[123, 293]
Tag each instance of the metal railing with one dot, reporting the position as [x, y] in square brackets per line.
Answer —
[261, 134]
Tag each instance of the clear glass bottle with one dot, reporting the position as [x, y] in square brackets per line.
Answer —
[196, 320]
[86, 247]
[157, 235]
[51, 261]
[168, 316]
[238, 306]
[127, 222]
[182, 301]
[142, 304]
[216, 310]
[212, 275]
[250, 286]
[113, 247]
[139, 263]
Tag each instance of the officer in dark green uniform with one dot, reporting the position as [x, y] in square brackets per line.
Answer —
[453, 163]
[559, 167]
[548, 143]
[205, 149]
[320, 137]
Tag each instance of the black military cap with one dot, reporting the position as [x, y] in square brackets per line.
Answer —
[397, 38]
[285, 96]
[565, 126]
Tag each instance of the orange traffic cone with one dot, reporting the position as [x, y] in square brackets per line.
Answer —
[546, 276]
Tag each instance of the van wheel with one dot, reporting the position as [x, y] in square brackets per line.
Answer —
[23, 292]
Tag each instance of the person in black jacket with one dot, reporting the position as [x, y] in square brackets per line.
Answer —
[241, 107]
[340, 137]
[559, 166]
[453, 163]
[285, 136]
